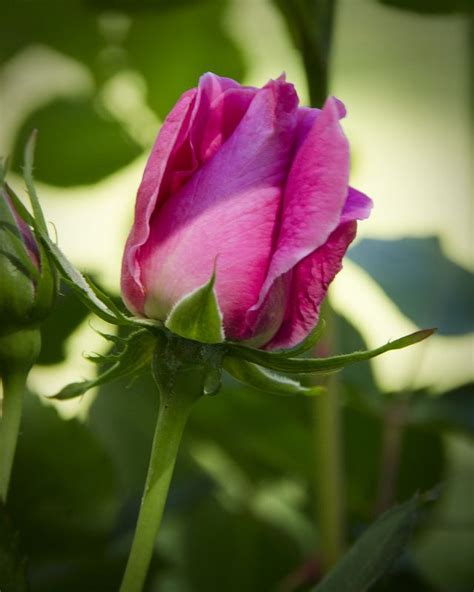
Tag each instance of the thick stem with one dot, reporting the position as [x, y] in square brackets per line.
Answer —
[174, 411]
[13, 389]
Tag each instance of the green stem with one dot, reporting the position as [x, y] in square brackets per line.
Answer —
[13, 389]
[174, 411]
[18, 352]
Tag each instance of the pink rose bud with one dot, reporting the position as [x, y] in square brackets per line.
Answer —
[244, 179]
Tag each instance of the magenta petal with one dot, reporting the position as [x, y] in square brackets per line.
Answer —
[315, 193]
[310, 280]
[357, 207]
[195, 129]
[148, 193]
[227, 213]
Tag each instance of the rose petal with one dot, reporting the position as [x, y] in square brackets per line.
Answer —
[148, 193]
[310, 280]
[188, 137]
[315, 193]
[228, 210]
[357, 207]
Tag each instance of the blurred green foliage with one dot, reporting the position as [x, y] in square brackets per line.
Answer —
[241, 510]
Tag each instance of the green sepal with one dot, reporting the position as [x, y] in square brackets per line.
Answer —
[134, 358]
[197, 315]
[308, 343]
[80, 285]
[267, 381]
[374, 553]
[175, 355]
[321, 365]
[38, 216]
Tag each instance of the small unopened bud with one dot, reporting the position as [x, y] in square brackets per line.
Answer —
[28, 282]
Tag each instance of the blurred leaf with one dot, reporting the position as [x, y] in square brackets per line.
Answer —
[97, 571]
[69, 313]
[453, 410]
[428, 288]
[123, 416]
[310, 23]
[443, 551]
[420, 448]
[374, 553]
[12, 561]
[239, 552]
[173, 48]
[363, 446]
[70, 27]
[266, 436]
[79, 144]
[431, 6]
[63, 483]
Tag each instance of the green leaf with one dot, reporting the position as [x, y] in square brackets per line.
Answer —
[409, 270]
[80, 144]
[197, 315]
[452, 411]
[63, 487]
[374, 553]
[321, 365]
[132, 360]
[171, 63]
[430, 7]
[264, 380]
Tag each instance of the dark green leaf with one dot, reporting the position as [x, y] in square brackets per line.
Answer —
[80, 144]
[453, 410]
[431, 6]
[63, 484]
[374, 553]
[171, 52]
[13, 573]
[267, 381]
[197, 316]
[429, 288]
[321, 365]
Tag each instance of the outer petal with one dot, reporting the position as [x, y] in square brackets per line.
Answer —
[310, 280]
[357, 207]
[148, 194]
[195, 129]
[312, 276]
[315, 193]
[228, 210]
